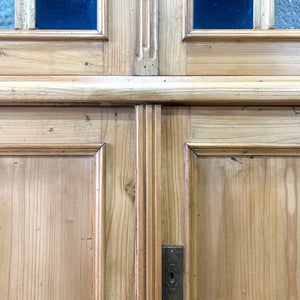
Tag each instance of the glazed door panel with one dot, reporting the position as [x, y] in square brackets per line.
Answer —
[231, 197]
[67, 216]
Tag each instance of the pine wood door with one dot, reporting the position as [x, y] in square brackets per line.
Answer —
[230, 196]
[67, 216]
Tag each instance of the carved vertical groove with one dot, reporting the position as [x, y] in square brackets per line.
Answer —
[148, 256]
[146, 37]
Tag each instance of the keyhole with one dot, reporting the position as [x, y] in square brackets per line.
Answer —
[172, 275]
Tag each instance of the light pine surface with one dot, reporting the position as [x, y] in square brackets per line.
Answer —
[51, 58]
[130, 90]
[47, 227]
[235, 215]
[244, 228]
[51, 202]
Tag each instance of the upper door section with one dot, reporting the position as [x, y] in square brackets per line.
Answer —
[150, 37]
[249, 37]
[69, 37]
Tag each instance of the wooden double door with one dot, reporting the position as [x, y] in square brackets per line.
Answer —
[88, 196]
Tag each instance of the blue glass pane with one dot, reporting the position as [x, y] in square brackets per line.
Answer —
[66, 14]
[287, 14]
[7, 14]
[223, 14]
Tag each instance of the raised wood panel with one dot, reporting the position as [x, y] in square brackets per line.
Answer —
[242, 224]
[222, 140]
[45, 131]
[49, 238]
[243, 58]
[182, 125]
[55, 58]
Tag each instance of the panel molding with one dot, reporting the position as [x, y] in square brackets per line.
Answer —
[212, 149]
[50, 149]
[149, 231]
[100, 224]
[195, 150]
[99, 221]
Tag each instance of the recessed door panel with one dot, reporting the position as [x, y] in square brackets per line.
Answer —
[47, 235]
[243, 227]
[230, 197]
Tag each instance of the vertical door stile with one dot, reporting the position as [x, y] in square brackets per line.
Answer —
[148, 252]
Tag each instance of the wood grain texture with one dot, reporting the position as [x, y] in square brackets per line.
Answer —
[118, 132]
[175, 132]
[61, 127]
[58, 126]
[100, 224]
[146, 47]
[47, 227]
[276, 129]
[150, 205]
[243, 149]
[153, 202]
[158, 204]
[94, 90]
[149, 226]
[140, 265]
[276, 125]
[234, 58]
[172, 51]
[48, 149]
[243, 227]
[55, 58]
[119, 50]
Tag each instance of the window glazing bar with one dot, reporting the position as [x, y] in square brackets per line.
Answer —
[25, 14]
[264, 14]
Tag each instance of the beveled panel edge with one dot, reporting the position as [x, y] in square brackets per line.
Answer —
[189, 162]
[100, 224]
[194, 90]
[29, 149]
[244, 149]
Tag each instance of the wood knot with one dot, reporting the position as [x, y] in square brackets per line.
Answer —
[130, 190]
